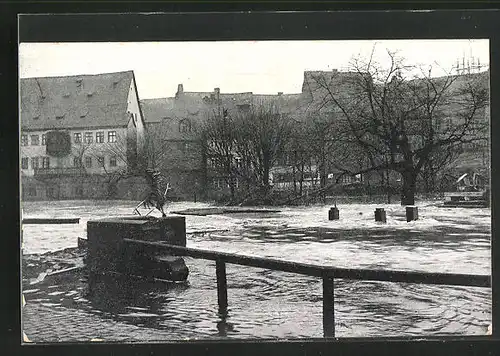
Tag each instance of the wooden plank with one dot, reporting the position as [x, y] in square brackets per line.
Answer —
[51, 221]
[328, 308]
[220, 270]
[322, 271]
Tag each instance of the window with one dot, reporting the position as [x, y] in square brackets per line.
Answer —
[35, 140]
[77, 162]
[112, 161]
[99, 137]
[185, 126]
[24, 163]
[88, 138]
[32, 191]
[77, 137]
[111, 136]
[184, 146]
[100, 160]
[51, 192]
[244, 107]
[238, 162]
[45, 162]
[78, 191]
[88, 162]
[34, 162]
[24, 140]
[44, 139]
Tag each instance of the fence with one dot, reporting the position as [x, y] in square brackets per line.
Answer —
[328, 274]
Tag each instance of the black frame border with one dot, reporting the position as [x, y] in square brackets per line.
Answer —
[116, 26]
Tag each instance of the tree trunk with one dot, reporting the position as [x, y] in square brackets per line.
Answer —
[409, 178]
[294, 180]
[388, 187]
[265, 178]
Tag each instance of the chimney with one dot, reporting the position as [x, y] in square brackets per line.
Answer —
[280, 93]
[217, 94]
[180, 89]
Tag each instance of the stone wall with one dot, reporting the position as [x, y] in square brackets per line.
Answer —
[88, 187]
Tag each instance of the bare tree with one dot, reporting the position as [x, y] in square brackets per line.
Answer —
[394, 116]
[219, 135]
[262, 134]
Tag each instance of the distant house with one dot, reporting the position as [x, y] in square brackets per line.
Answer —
[77, 129]
[174, 145]
[176, 123]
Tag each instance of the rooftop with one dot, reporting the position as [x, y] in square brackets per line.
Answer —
[96, 100]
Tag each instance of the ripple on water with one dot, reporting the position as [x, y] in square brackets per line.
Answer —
[266, 303]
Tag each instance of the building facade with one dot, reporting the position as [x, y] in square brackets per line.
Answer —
[79, 135]
[177, 125]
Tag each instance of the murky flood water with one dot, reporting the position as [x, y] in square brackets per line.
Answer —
[269, 304]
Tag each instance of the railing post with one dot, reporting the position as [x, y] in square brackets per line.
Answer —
[220, 270]
[328, 308]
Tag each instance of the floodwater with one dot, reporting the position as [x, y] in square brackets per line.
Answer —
[271, 304]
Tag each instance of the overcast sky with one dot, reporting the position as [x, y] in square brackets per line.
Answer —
[264, 67]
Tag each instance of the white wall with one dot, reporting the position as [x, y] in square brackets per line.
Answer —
[133, 108]
[117, 149]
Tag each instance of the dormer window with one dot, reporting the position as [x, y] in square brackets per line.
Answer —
[60, 116]
[244, 107]
[36, 117]
[66, 95]
[89, 94]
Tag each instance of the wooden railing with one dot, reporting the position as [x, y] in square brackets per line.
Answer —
[328, 274]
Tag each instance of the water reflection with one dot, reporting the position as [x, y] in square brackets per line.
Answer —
[132, 299]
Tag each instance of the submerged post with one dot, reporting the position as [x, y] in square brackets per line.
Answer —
[411, 213]
[380, 215]
[220, 270]
[333, 213]
[328, 308]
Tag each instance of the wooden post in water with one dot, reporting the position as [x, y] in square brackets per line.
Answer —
[328, 308]
[220, 271]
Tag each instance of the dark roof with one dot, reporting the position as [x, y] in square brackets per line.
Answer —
[195, 105]
[82, 100]
[166, 114]
[158, 110]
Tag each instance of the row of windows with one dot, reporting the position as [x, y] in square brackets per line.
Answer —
[35, 140]
[77, 138]
[221, 183]
[88, 137]
[36, 162]
[44, 162]
[213, 163]
[88, 161]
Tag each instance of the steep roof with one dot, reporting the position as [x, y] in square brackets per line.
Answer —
[76, 101]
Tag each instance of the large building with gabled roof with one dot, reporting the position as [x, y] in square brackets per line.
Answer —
[76, 128]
